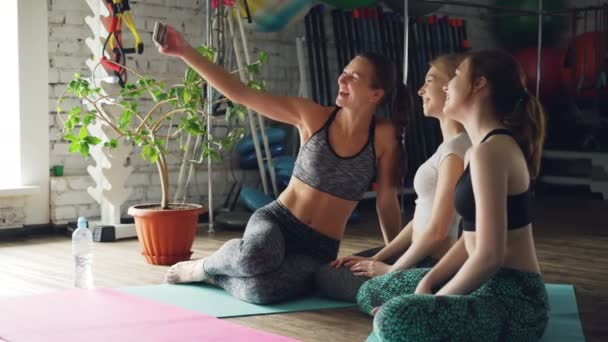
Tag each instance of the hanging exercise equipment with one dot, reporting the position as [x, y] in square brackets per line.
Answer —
[120, 12]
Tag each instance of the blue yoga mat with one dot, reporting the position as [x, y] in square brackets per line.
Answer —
[216, 302]
[564, 322]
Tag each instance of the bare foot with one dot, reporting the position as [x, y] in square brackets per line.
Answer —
[186, 272]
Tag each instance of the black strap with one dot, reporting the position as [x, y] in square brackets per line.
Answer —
[497, 131]
[331, 117]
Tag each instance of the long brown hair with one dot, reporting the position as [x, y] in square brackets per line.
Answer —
[514, 105]
[400, 99]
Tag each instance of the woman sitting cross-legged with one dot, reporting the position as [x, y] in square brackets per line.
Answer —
[488, 287]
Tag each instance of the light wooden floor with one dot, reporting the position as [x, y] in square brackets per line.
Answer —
[571, 237]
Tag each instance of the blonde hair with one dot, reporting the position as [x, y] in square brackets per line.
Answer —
[448, 63]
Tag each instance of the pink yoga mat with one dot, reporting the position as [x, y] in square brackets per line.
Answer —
[109, 315]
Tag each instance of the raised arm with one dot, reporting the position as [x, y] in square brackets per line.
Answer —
[280, 108]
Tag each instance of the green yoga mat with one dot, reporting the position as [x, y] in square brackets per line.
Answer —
[216, 302]
[564, 322]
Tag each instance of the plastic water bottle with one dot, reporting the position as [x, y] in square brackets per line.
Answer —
[82, 249]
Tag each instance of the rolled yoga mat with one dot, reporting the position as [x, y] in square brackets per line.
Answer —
[564, 322]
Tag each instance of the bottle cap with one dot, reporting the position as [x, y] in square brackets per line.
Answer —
[82, 222]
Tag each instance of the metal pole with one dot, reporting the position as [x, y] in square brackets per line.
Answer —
[406, 35]
[250, 114]
[273, 179]
[209, 121]
[539, 48]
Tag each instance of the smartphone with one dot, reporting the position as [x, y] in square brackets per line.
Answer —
[158, 36]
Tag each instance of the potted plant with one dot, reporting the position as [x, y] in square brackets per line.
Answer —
[165, 230]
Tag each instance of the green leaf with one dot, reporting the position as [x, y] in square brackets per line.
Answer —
[207, 51]
[113, 143]
[258, 85]
[83, 133]
[125, 119]
[84, 149]
[74, 147]
[253, 69]
[191, 76]
[150, 153]
[75, 111]
[92, 140]
[70, 137]
[263, 57]
[192, 125]
[89, 118]
[236, 112]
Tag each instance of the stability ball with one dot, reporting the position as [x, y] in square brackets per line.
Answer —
[551, 84]
[275, 15]
[584, 61]
[515, 30]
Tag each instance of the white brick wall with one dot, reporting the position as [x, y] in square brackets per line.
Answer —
[67, 55]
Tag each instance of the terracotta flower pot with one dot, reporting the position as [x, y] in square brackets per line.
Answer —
[166, 236]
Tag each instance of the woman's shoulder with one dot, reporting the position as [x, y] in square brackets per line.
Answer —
[385, 135]
[458, 144]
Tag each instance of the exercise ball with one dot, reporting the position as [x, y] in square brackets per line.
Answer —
[274, 15]
[552, 59]
[416, 8]
[516, 30]
[584, 61]
[349, 4]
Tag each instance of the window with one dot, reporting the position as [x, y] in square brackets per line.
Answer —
[10, 172]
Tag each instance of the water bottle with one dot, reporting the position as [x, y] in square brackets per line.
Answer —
[82, 249]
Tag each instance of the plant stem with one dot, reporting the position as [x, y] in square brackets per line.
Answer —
[156, 126]
[163, 172]
[156, 106]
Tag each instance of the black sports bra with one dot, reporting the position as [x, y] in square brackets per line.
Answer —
[519, 212]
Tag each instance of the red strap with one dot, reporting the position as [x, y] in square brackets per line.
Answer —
[113, 24]
[106, 63]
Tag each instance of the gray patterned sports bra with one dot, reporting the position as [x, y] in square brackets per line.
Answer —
[319, 166]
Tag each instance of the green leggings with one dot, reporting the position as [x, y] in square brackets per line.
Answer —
[510, 306]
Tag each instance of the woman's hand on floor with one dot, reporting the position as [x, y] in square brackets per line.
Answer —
[349, 260]
[370, 268]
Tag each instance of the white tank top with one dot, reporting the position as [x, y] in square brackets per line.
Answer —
[425, 182]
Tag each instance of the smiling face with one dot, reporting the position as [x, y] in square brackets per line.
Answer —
[458, 91]
[356, 86]
[432, 93]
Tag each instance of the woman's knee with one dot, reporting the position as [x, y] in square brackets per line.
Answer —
[338, 283]
[405, 318]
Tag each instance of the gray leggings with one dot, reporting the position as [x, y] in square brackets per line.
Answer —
[342, 284]
[275, 260]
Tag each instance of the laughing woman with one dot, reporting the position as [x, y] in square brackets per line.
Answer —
[342, 148]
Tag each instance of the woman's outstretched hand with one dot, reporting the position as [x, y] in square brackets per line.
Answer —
[370, 268]
[348, 260]
[174, 44]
